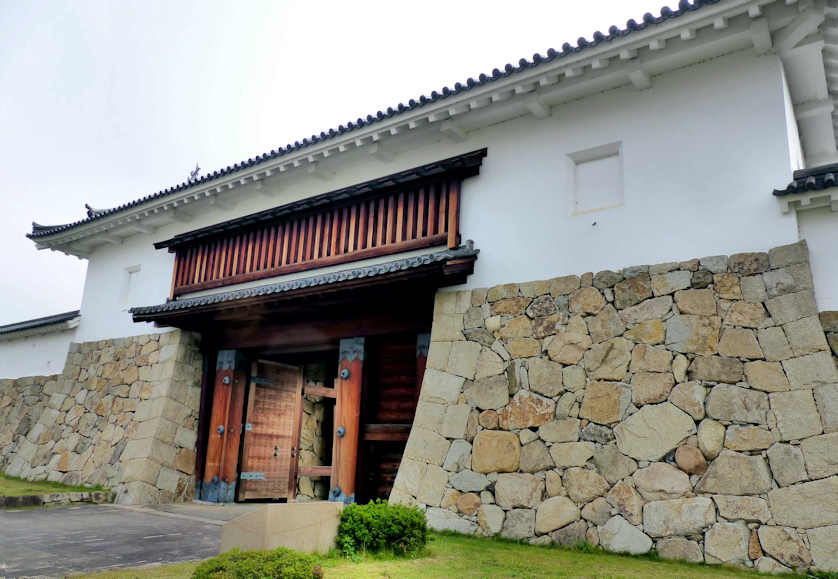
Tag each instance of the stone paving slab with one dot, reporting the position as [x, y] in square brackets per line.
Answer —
[59, 541]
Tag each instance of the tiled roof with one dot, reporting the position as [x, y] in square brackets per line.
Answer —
[814, 179]
[567, 49]
[307, 282]
[39, 322]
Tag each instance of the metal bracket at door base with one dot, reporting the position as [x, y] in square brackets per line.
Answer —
[337, 496]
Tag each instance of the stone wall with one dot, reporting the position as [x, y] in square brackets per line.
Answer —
[122, 414]
[313, 445]
[688, 407]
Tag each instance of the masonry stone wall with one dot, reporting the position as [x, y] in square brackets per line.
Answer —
[688, 407]
[312, 440]
[122, 414]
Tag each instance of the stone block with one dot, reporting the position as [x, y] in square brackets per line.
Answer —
[806, 336]
[660, 481]
[732, 473]
[787, 464]
[571, 453]
[653, 431]
[438, 353]
[445, 520]
[646, 358]
[736, 404]
[751, 509]
[689, 397]
[619, 536]
[696, 301]
[821, 454]
[566, 430]
[680, 549]
[797, 416]
[561, 286]
[141, 469]
[822, 542]
[545, 377]
[714, 264]
[651, 309]
[554, 513]
[462, 359]
[650, 387]
[766, 376]
[453, 424]
[526, 410]
[535, 457]
[605, 402]
[739, 343]
[811, 370]
[432, 486]
[727, 286]
[632, 291]
[693, 334]
[753, 289]
[523, 347]
[426, 446]
[784, 544]
[671, 282]
[608, 360]
[806, 505]
[716, 369]
[748, 263]
[496, 451]
[510, 306]
[790, 307]
[583, 485]
[774, 344]
[519, 524]
[447, 327]
[727, 543]
[826, 397]
[742, 438]
[691, 516]
[690, 460]
[490, 518]
[469, 481]
[612, 464]
[488, 393]
[458, 457]
[488, 364]
[648, 332]
[598, 511]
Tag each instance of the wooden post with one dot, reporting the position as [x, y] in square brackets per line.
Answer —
[347, 415]
[221, 471]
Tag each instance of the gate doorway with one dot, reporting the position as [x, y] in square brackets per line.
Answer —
[310, 424]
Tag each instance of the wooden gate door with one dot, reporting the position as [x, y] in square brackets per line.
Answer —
[222, 458]
[272, 432]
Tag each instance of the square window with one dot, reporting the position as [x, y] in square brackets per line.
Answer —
[597, 178]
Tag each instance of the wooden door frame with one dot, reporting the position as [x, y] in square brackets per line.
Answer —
[295, 429]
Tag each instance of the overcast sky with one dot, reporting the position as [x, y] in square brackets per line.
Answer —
[104, 102]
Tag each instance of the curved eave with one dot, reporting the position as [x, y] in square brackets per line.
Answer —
[697, 31]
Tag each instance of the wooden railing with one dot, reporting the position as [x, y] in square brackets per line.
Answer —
[422, 216]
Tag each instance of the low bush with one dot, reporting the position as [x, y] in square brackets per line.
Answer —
[378, 526]
[280, 562]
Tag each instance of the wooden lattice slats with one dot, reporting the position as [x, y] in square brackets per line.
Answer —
[402, 220]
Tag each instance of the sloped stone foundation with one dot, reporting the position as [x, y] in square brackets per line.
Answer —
[122, 414]
[681, 406]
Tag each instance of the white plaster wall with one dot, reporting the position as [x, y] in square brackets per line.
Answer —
[819, 227]
[702, 150]
[40, 355]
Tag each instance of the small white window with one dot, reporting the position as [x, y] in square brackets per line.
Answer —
[597, 178]
[129, 286]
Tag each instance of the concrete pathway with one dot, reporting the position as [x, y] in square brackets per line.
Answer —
[59, 541]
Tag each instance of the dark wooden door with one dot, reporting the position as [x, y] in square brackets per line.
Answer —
[272, 432]
[222, 456]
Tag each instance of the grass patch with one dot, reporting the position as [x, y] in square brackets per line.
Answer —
[16, 487]
[451, 555]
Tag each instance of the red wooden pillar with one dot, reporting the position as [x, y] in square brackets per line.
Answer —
[347, 416]
[221, 470]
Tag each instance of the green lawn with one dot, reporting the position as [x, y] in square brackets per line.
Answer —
[15, 487]
[460, 556]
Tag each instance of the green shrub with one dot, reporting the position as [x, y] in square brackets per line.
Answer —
[378, 526]
[280, 562]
